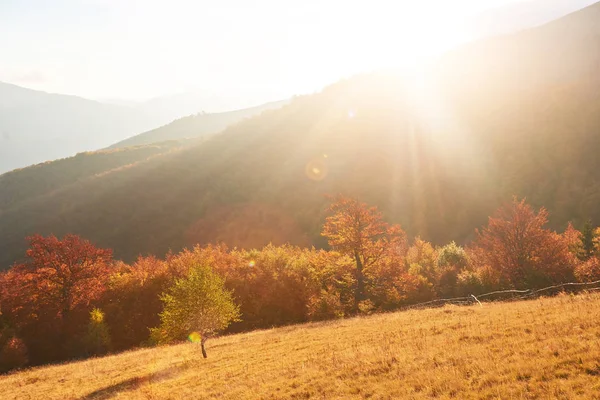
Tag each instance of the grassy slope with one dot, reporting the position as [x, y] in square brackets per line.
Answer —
[546, 348]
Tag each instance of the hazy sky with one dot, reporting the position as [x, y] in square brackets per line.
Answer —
[138, 49]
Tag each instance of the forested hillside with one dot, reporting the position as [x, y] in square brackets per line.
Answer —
[27, 184]
[196, 125]
[435, 156]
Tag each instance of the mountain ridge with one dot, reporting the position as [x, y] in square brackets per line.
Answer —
[197, 125]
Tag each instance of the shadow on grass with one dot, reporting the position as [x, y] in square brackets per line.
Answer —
[134, 383]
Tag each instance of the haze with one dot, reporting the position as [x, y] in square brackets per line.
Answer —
[136, 50]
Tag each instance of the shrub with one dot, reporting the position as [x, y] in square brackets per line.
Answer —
[97, 339]
[588, 271]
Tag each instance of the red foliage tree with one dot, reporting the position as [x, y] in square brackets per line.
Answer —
[40, 296]
[516, 244]
[355, 229]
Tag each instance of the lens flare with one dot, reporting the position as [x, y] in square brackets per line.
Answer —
[195, 337]
[316, 170]
[252, 263]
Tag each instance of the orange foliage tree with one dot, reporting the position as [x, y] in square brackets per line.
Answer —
[132, 302]
[355, 229]
[516, 244]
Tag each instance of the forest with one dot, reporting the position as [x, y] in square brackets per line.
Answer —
[71, 299]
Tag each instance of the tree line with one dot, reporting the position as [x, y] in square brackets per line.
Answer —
[71, 299]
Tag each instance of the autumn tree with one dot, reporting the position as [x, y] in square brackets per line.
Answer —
[197, 306]
[355, 229]
[132, 300]
[40, 295]
[516, 244]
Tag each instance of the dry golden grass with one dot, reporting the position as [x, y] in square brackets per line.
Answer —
[539, 349]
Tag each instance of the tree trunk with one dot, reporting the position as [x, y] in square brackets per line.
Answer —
[360, 284]
[203, 349]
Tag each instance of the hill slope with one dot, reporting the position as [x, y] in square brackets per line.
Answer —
[197, 125]
[37, 126]
[545, 348]
[437, 154]
[517, 16]
[26, 184]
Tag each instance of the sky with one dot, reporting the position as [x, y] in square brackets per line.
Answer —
[135, 50]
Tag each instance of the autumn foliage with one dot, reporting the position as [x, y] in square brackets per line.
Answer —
[358, 231]
[47, 297]
[524, 253]
[71, 299]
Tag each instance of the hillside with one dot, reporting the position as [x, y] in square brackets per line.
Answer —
[197, 125]
[546, 348]
[436, 156]
[516, 16]
[37, 126]
[26, 184]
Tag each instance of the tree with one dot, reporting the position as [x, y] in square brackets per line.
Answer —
[587, 246]
[516, 244]
[197, 306]
[39, 296]
[65, 273]
[132, 300]
[359, 231]
[452, 260]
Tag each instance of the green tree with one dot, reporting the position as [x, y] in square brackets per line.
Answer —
[452, 255]
[452, 260]
[196, 307]
[587, 248]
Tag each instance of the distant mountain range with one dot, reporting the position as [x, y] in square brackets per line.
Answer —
[516, 115]
[37, 126]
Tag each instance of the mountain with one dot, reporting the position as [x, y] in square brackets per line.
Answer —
[19, 186]
[174, 106]
[37, 126]
[560, 52]
[521, 15]
[437, 153]
[196, 125]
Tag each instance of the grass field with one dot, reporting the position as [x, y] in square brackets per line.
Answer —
[540, 349]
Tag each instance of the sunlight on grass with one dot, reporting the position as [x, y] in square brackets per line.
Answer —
[546, 348]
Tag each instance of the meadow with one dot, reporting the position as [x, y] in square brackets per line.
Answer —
[548, 348]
